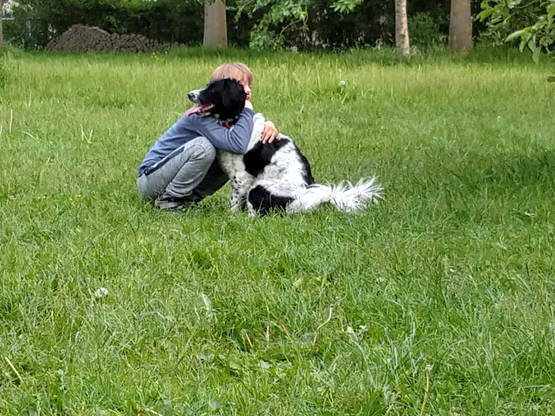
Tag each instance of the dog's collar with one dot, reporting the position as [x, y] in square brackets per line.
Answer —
[200, 110]
[229, 122]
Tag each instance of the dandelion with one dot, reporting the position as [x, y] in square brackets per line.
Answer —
[100, 293]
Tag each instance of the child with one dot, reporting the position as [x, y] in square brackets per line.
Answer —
[181, 167]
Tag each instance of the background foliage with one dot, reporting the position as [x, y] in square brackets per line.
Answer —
[296, 24]
[341, 23]
[529, 22]
[258, 23]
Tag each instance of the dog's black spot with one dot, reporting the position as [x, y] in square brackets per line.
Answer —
[263, 201]
[227, 96]
[261, 155]
[307, 174]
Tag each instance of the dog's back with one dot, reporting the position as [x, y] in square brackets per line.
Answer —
[280, 161]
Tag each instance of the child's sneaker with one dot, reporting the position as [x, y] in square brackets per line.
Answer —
[172, 203]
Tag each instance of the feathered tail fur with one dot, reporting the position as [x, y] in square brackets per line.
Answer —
[344, 196]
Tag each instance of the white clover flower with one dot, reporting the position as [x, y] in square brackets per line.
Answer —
[342, 83]
[100, 293]
[207, 305]
[8, 7]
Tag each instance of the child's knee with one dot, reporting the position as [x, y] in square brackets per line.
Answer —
[203, 149]
[146, 192]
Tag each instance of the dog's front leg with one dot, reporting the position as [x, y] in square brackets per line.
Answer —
[240, 185]
[236, 200]
[251, 210]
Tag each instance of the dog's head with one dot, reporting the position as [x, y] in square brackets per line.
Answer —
[222, 98]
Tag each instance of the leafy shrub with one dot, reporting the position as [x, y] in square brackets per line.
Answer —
[320, 23]
[532, 23]
[424, 30]
[341, 24]
[27, 33]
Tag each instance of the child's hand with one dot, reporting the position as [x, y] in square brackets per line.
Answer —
[270, 132]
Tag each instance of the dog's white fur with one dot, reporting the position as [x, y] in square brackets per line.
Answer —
[284, 177]
[234, 167]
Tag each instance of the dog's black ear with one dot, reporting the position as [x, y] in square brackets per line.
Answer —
[234, 92]
[227, 94]
[233, 98]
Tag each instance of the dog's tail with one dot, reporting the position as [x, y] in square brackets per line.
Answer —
[344, 196]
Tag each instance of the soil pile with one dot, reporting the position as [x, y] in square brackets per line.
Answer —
[80, 38]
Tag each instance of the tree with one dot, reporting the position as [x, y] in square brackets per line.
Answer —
[401, 28]
[460, 26]
[215, 24]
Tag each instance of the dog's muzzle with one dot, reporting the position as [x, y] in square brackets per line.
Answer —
[193, 96]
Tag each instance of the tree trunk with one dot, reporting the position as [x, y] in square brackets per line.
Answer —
[401, 28]
[1, 22]
[215, 24]
[460, 26]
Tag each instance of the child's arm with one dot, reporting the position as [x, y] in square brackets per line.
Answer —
[235, 139]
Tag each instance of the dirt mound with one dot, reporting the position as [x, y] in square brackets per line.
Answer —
[80, 38]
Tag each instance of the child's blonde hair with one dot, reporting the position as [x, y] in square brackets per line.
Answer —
[235, 70]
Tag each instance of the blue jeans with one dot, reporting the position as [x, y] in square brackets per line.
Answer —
[191, 170]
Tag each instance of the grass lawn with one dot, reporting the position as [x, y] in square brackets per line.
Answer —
[449, 283]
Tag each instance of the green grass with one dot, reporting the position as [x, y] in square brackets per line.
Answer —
[216, 313]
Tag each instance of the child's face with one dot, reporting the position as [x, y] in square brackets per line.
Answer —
[247, 87]
[244, 81]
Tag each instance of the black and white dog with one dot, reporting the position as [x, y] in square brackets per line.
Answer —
[274, 175]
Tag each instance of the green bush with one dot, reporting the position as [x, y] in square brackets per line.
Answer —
[530, 23]
[318, 24]
[341, 24]
[424, 30]
[27, 33]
